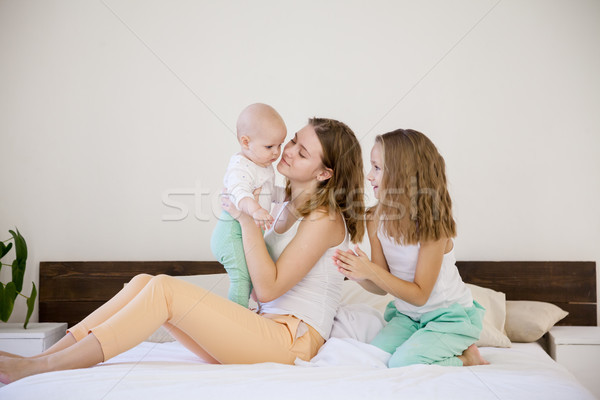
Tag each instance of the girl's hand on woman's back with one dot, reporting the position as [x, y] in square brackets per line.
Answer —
[354, 265]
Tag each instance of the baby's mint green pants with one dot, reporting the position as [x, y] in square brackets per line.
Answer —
[227, 247]
[437, 338]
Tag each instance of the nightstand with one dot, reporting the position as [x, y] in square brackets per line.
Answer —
[578, 349]
[38, 337]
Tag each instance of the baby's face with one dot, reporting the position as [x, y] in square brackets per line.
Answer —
[264, 147]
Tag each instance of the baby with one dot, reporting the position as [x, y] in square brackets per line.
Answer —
[260, 132]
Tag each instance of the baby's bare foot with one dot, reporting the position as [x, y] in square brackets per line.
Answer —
[471, 356]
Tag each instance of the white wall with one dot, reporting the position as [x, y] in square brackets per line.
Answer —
[106, 107]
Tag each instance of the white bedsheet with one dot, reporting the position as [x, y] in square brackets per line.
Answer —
[344, 369]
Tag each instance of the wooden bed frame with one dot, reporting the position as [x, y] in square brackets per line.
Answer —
[71, 290]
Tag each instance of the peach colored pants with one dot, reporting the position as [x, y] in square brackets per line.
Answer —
[209, 325]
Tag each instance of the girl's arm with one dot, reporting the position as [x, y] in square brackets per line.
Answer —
[416, 293]
[316, 233]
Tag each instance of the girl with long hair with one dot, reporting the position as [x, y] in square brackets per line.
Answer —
[433, 319]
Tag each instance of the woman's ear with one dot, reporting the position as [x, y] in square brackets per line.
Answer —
[244, 141]
[325, 174]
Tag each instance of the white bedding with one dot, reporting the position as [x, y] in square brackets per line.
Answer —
[345, 369]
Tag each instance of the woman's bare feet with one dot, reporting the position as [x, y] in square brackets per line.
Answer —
[13, 369]
[471, 356]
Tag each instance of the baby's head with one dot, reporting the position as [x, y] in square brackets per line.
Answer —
[261, 131]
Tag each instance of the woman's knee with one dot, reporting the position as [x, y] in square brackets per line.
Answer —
[160, 279]
[141, 279]
[156, 280]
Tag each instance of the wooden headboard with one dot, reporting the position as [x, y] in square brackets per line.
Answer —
[71, 290]
[571, 285]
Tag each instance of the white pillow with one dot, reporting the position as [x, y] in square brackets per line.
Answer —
[360, 315]
[357, 321]
[353, 293]
[493, 333]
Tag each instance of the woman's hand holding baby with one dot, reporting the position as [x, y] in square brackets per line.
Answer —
[227, 205]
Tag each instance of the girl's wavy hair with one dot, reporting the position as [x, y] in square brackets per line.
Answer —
[343, 191]
[414, 203]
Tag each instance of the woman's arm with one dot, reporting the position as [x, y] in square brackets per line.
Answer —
[416, 293]
[316, 233]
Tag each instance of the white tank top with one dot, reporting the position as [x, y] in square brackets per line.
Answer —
[448, 289]
[316, 298]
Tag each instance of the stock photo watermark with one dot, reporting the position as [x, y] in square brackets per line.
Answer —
[205, 203]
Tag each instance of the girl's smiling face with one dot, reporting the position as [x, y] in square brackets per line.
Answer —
[376, 173]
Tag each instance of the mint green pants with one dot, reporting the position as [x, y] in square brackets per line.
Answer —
[227, 247]
[437, 338]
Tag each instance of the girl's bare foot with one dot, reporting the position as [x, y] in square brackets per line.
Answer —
[471, 356]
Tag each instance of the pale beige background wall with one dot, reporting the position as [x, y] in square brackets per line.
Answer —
[108, 109]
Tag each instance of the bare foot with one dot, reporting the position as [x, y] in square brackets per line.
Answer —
[13, 369]
[471, 356]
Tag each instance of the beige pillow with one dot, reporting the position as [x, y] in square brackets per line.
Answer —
[493, 334]
[527, 321]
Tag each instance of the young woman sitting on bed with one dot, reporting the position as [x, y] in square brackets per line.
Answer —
[291, 269]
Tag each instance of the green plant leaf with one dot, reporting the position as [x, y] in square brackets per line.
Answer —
[18, 271]
[30, 304]
[4, 249]
[20, 246]
[19, 264]
[7, 301]
[2, 318]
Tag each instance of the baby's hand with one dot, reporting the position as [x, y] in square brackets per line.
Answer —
[263, 219]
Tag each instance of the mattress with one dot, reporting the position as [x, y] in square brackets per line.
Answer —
[344, 368]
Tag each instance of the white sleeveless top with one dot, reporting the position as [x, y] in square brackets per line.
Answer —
[448, 289]
[316, 298]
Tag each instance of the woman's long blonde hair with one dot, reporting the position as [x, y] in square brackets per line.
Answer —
[343, 191]
[414, 203]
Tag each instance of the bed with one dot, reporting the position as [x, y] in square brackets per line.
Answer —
[515, 294]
